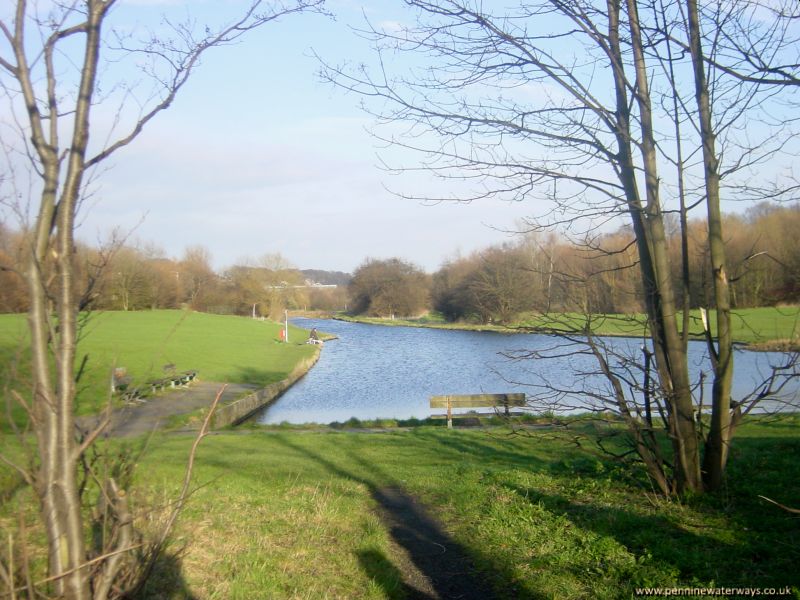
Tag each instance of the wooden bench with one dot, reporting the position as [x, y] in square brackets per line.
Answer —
[174, 380]
[476, 401]
[122, 383]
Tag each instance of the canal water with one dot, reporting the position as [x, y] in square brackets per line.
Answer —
[377, 372]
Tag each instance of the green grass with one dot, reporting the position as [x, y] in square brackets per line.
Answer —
[540, 517]
[433, 320]
[284, 514]
[220, 348]
[294, 514]
[750, 326]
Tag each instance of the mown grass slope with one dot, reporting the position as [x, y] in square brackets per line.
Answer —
[298, 515]
[220, 348]
[290, 514]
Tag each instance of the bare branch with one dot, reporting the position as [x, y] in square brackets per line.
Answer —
[185, 490]
[779, 505]
[186, 60]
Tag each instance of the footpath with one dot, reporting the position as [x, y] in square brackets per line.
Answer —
[143, 417]
[238, 401]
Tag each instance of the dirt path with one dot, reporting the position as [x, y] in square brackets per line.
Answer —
[143, 417]
[431, 564]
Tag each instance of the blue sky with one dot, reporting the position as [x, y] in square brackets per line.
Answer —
[259, 156]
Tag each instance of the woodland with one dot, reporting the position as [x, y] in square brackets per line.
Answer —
[535, 272]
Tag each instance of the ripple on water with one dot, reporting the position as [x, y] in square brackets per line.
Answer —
[373, 372]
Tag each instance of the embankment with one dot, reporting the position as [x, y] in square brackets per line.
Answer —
[242, 409]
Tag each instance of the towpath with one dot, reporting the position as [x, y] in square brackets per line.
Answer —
[143, 417]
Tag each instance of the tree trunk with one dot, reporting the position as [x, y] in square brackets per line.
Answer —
[54, 402]
[679, 398]
[721, 430]
[648, 227]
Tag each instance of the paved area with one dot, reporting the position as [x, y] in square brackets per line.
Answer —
[143, 417]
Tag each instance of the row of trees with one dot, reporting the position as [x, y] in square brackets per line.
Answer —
[537, 273]
[545, 273]
[141, 277]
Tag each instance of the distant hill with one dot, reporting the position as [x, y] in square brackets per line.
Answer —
[326, 277]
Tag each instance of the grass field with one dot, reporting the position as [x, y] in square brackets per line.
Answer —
[220, 348]
[305, 515]
[282, 513]
[539, 517]
[750, 326]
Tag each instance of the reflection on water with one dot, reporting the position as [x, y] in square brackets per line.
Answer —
[373, 372]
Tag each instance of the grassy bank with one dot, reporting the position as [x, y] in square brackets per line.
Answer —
[753, 326]
[304, 515]
[220, 348]
[284, 513]
[309, 515]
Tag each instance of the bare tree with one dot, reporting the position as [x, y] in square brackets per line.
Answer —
[55, 59]
[282, 285]
[578, 106]
[502, 286]
[197, 275]
[388, 288]
[495, 284]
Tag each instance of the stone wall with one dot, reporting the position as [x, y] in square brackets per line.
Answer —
[244, 408]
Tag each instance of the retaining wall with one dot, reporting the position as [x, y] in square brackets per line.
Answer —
[244, 408]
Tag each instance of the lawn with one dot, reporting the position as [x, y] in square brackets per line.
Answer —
[305, 515]
[220, 348]
[750, 325]
[280, 513]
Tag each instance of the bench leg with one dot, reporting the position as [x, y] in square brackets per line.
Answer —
[449, 414]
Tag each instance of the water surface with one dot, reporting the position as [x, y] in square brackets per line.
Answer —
[373, 372]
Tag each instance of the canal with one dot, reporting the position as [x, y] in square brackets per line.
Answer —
[377, 372]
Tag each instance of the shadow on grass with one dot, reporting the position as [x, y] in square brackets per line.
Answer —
[166, 581]
[732, 537]
[383, 572]
[765, 467]
[667, 541]
[260, 377]
[456, 448]
[431, 564]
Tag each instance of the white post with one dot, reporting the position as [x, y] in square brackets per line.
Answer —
[286, 326]
[449, 414]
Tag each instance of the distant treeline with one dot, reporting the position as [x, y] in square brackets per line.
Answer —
[139, 277]
[537, 273]
[544, 273]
